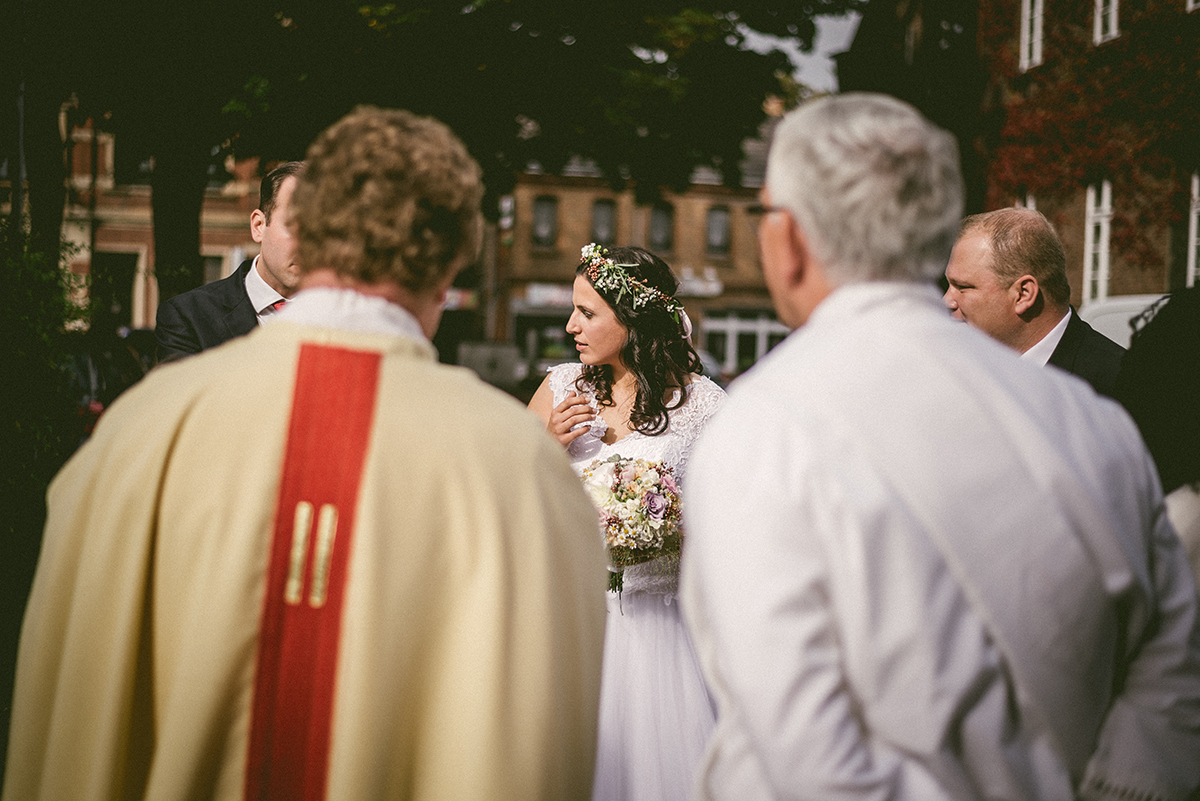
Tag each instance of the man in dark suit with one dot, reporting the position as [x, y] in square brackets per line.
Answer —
[214, 313]
[1008, 277]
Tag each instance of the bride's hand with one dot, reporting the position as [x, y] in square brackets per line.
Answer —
[568, 414]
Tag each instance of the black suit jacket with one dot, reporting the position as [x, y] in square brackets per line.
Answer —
[205, 317]
[1088, 354]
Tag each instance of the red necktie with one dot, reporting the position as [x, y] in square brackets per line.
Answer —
[277, 305]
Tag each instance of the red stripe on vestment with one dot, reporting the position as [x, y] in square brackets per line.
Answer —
[330, 427]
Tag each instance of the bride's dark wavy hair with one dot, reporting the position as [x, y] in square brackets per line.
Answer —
[655, 350]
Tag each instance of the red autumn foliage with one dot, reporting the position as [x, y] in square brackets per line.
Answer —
[1127, 109]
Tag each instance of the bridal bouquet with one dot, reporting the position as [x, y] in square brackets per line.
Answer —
[638, 503]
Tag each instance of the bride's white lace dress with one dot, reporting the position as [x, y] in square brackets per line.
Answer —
[655, 713]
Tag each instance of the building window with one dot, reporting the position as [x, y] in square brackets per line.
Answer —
[662, 227]
[1193, 247]
[1028, 202]
[1031, 33]
[604, 222]
[1105, 25]
[716, 228]
[739, 339]
[113, 276]
[545, 221]
[1192, 5]
[507, 206]
[1095, 247]
[214, 268]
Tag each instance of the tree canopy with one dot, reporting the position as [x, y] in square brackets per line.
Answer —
[647, 90]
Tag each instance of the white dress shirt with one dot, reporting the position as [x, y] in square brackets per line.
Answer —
[917, 567]
[262, 296]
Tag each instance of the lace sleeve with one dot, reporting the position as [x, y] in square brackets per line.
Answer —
[562, 379]
[704, 399]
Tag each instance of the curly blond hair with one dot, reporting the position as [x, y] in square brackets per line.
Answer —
[387, 195]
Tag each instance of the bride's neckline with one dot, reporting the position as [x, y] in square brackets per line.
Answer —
[686, 388]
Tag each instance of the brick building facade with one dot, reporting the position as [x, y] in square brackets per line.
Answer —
[519, 292]
[707, 235]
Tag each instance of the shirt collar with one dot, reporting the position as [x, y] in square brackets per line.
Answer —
[347, 310]
[852, 299]
[260, 292]
[1041, 352]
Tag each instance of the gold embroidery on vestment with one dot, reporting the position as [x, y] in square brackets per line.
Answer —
[326, 531]
[294, 589]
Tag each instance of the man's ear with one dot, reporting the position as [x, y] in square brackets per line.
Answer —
[801, 250]
[1027, 292]
[785, 247]
[798, 281]
[258, 221]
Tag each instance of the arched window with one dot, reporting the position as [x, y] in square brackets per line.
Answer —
[662, 227]
[545, 221]
[604, 222]
[716, 231]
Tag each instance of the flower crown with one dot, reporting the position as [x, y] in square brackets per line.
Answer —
[606, 274]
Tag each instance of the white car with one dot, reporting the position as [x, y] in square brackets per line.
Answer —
[1111, 316]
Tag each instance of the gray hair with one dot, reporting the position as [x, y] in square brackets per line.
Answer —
[874, 185]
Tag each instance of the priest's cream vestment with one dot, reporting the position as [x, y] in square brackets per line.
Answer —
[312, 563]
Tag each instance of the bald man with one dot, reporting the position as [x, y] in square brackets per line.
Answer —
[1008, 278]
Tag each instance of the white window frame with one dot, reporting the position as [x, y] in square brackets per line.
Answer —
[1031, 33]
[1029, 202]
[1192, 5]
[1104, 23]
[1096, 241]
[731, 324]
[1193, 251]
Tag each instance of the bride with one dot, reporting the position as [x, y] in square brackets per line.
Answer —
[637, 393]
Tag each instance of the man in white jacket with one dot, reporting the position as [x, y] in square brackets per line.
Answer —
[919, 567]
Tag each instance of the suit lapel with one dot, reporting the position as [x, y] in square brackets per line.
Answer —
[240, 317]
[1068, 347]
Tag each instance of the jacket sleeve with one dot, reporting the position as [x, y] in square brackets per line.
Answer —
[1149, 745]
[175, 333]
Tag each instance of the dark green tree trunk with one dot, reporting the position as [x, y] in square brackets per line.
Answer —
[46, 169]
[177, 187]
